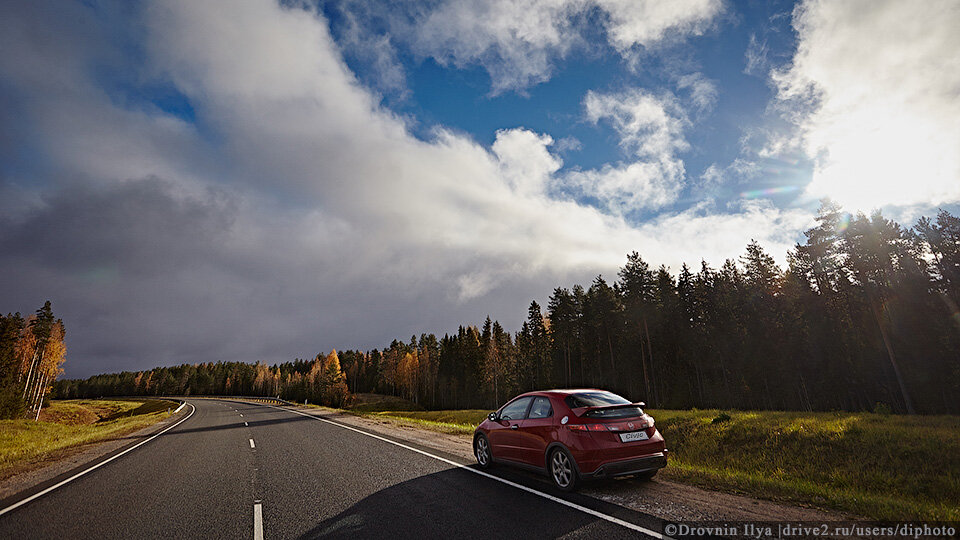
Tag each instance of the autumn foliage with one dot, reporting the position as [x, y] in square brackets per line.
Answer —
[320, 380]
[32, 350]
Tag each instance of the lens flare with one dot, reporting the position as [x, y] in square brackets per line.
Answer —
[758, 193]
[843, 223]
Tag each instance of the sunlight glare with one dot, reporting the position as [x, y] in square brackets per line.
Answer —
[877, 159]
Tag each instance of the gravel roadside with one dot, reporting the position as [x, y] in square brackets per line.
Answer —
[661, 498]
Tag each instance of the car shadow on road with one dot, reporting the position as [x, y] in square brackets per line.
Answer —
[457, 503]
[237, 424]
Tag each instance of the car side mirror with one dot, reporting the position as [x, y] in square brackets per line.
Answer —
[642, 404]
[492, 416]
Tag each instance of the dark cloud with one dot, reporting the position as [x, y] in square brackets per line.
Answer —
[145, 276]
[286, 212]
[137, 228]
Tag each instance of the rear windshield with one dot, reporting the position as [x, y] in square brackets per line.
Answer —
[594, 399]
[603, 399]
[619, 412]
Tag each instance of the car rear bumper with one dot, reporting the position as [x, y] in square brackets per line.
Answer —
[629, 466]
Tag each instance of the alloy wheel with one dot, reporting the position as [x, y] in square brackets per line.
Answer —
[483, 451]
[561, 469]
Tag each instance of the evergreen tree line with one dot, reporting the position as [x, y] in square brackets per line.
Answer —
[864, 316]
[320, 380]
[31, 353]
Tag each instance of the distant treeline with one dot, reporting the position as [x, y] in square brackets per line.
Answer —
[320, 380]
[31, 352]
[864, 317]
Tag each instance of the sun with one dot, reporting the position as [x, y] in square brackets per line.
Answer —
[878, 159]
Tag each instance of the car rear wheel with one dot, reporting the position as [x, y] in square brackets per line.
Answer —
[481, 449]
[563, 472]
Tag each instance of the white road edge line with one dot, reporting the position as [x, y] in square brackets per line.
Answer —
[35, 496]
[257, 522]
[547, 496]
[251, 444]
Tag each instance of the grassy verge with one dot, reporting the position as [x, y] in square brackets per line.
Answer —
[404, 412]
[879, 466]
[461, 422]
[68, 424]
[364, 403]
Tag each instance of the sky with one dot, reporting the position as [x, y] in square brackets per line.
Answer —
[193, 181]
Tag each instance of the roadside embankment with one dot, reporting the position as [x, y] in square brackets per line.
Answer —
[66, 426]
[889, 467]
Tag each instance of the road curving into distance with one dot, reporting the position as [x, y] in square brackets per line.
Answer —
[235, 469]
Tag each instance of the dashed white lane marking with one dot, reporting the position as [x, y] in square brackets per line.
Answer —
[257, 521]
[246, 424]
[557, 500]
[241, 415]
[251, 444]
[18, 504]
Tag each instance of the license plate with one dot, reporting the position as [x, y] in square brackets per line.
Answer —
[635, 436]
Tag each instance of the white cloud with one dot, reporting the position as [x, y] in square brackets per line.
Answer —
[740, 170]
[519, 41]
[648, 125]
[628, 187]
[303, 215]
[568, 144]
[873, 89]
[703, 233]
[703, 91]
[651, 130]
[755, 58]
[515, 41]
[375, 49]
[646, 23]
[525, 162]
[712, 175]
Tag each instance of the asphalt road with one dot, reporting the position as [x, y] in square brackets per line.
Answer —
[213, 475]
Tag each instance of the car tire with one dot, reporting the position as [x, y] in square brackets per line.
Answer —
[481, 450]
[563, 470]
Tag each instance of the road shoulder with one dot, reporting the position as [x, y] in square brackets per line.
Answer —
[35, 476]
[661, 498]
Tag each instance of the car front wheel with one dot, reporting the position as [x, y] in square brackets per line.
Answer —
[481, 449]
[563, 472]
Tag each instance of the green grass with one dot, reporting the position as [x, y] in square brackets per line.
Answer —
[878, 466]
[460, 422]
[367, 403]
[405, 412]
[68, 424]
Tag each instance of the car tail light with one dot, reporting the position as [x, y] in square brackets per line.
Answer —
[587, 427]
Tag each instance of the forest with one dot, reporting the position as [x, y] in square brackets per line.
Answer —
[864, 317]
[32, 350]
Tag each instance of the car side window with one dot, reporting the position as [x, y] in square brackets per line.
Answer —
[515, 410]
[541, 408]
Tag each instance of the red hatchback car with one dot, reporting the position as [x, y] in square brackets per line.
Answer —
[572, 435]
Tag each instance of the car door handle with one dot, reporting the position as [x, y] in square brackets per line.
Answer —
[515, 426]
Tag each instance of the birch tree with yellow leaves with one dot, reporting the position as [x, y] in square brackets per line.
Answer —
[31, 353]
